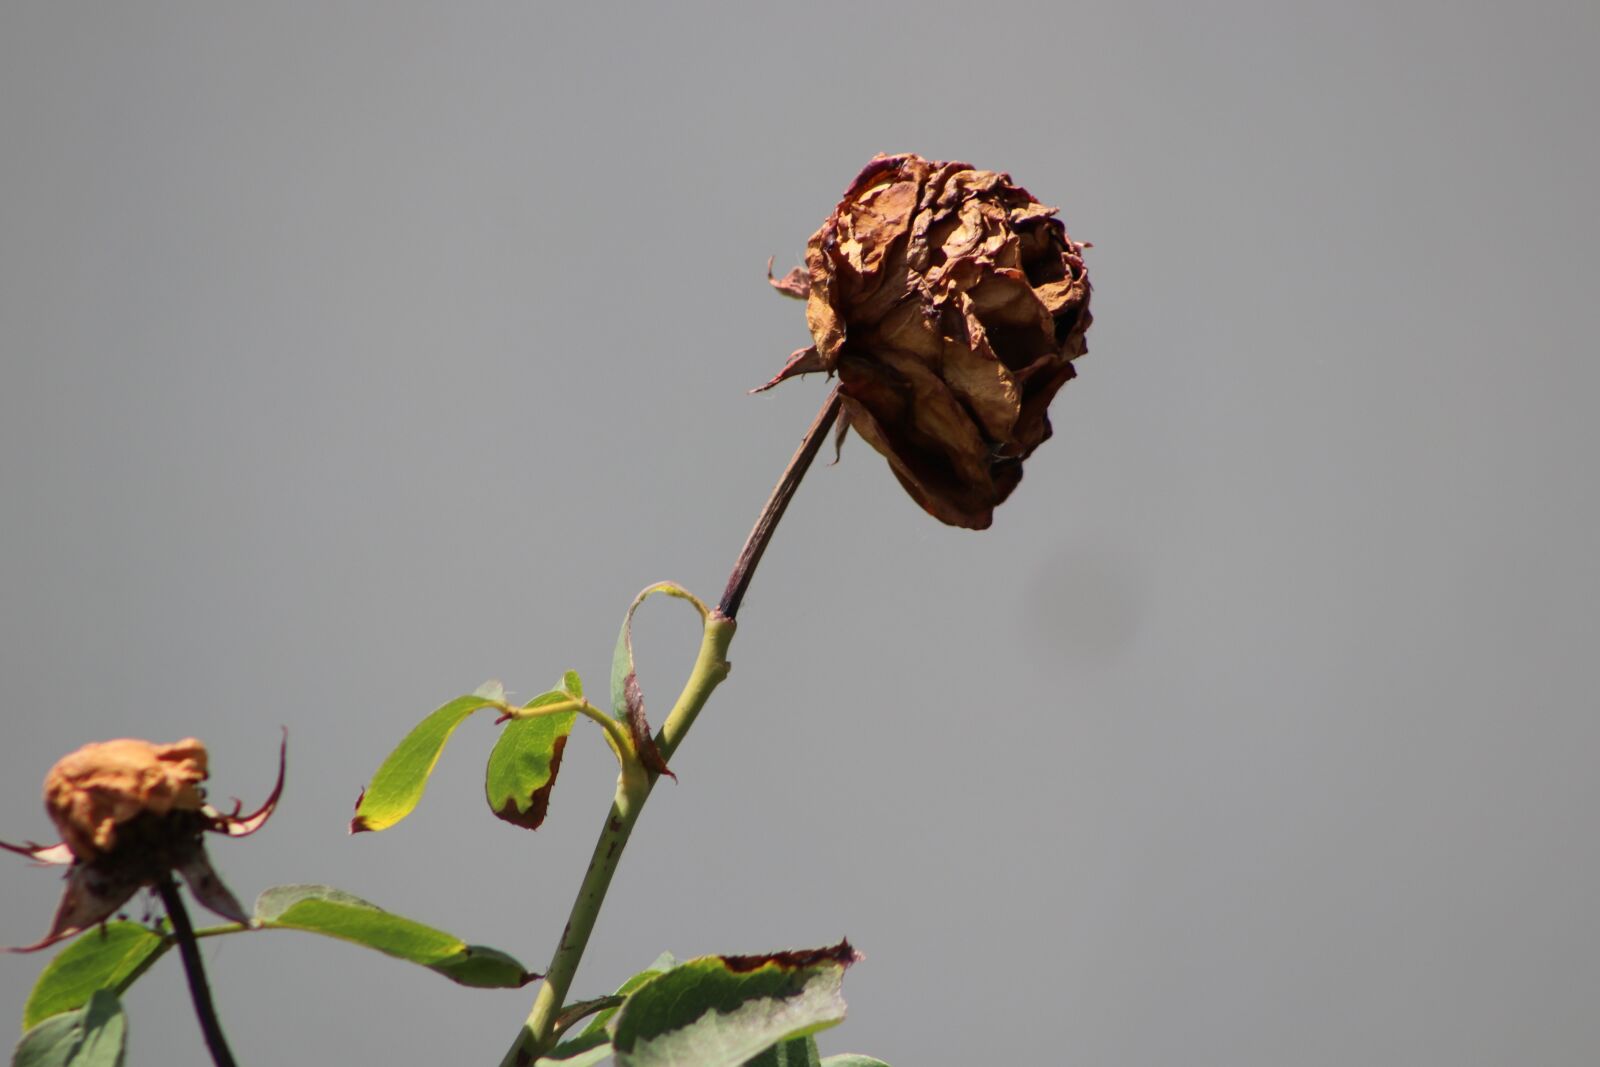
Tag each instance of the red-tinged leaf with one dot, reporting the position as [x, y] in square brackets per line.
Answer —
[720, 1011]
[526, 759]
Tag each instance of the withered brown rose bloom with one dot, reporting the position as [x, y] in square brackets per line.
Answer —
[130, 812]
[951, 304]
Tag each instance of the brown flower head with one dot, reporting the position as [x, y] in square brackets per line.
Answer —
[951, 304]
[129, 812]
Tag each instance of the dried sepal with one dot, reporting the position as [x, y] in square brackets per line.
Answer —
[795, 284]
[802, 361]
[43, 855]
[236, 825]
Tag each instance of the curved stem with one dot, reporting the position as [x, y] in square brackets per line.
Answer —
[194, 970]
[539, 1031]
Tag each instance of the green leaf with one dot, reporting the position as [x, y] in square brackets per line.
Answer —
[572, 684]
[523, 766]
[95, 1035]
[719, 1011]
[852, 1059]
[320, 909]
[801, 1052]
[664, 963]
[627, 701]
[108, 958]
[399, 783]
[581, 1051]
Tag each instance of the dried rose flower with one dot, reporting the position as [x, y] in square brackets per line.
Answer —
[129, 812]
[951, 304]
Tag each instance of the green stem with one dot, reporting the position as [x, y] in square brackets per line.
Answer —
[538, 1032]
[710, 668]
[620, 741]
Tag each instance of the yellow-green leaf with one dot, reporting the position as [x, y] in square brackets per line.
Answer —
[398, 784]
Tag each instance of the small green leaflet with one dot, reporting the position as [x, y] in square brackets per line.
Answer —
[398, 784]
[719, 1011]
[526, 758]
[320, 909]
[95, 1035]
[111, 957]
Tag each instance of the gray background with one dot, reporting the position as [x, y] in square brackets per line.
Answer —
[353, 355]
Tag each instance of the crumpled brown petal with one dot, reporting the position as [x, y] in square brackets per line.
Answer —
[131, 812]
[951, 305]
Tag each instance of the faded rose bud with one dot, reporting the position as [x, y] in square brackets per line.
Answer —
[131, 812]
[951, 304]
[88, 793]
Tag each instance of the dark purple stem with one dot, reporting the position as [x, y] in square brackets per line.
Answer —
[767, 522]
[194, 969]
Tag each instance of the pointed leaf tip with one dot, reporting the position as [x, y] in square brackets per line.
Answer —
[397, 785]
[331, 912]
